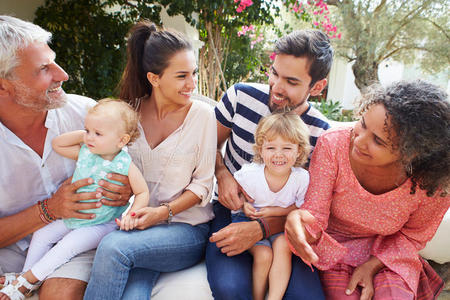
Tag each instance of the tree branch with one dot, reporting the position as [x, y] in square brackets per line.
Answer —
[213, 47]
[379, 7]
[404, 48]
[437, 26]
[405, 21]
[333, 2]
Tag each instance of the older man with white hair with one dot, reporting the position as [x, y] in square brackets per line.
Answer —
[34, 185]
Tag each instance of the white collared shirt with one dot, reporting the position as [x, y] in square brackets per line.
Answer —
[185, 160]
[25, 177]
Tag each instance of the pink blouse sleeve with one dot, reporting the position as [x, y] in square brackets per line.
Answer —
[399, 251]
[323, 172]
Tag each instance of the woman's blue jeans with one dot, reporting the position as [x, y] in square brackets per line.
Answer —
[127, 264]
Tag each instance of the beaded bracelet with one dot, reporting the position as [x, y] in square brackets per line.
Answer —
[52, 216]
[41, 214]
[169, 219]
[45, 211]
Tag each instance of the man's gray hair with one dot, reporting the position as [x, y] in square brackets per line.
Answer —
[16, 34]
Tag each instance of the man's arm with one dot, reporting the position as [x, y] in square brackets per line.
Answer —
[228, 187]
[17, 226]
[64, 203]
[239, 237]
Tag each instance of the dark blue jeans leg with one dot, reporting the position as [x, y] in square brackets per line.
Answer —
[304, 284]
[229, 277]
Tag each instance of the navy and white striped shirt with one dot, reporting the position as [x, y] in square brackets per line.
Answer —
[241, 108]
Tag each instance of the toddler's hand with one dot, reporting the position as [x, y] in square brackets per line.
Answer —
[264, 212]
[128, 222]
[249, 210]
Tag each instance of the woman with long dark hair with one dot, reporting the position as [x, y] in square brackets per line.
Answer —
[176, 154]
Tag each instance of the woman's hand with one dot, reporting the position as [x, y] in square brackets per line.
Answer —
[299, 237]
[150, 216]
[363, 276]
[119, 194]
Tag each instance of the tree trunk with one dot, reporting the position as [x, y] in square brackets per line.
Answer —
[365, 71]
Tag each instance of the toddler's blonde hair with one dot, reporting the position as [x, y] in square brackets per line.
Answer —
[290, 127]
[121, 110]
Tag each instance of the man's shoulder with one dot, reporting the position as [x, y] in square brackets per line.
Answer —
[253, 96]
[254, 90]
[76, 105]
[71, 116]
[78, 101]
[313, 117]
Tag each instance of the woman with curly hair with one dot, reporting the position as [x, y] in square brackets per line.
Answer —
[377, 194]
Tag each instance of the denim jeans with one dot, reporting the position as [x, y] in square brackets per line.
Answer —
[231, 277]
[127, 264]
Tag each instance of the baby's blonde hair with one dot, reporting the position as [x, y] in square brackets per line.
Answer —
[290, 127]
[123, 111]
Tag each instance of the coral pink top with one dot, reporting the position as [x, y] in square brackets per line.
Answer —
[392, 226]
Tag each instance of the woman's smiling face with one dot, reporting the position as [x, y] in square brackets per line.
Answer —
[373, 138]
[179, 80]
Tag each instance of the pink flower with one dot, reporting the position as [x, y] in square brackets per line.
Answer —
[339, 36]
[243, 5]
[272, 56]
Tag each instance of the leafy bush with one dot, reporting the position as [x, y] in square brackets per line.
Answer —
[333, 110]
[89, 40]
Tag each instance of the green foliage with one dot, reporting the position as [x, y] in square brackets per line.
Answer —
[333, 110]
[89, 40]
[218, 23]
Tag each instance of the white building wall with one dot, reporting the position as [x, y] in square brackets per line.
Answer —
[342, 88]
[23, 9]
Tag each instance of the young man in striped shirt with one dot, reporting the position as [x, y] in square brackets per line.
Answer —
[303, 60]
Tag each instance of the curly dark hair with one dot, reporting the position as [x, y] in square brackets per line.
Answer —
[419, 114]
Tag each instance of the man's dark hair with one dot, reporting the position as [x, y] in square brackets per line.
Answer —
[312, 44]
